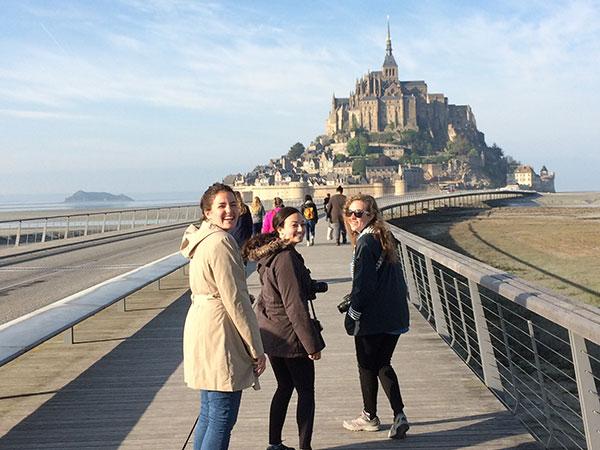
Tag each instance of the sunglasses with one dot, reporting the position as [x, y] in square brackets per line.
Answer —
[358, 213]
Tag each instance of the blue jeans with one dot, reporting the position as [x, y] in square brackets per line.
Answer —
[218, 414]
[310, 229]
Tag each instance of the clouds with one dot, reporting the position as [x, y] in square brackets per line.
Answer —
[219, 74]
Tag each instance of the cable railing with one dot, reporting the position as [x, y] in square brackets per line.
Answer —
[539, 352]
[18, 232]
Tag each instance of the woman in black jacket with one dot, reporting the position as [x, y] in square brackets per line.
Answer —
[290, 338]
[378, 312]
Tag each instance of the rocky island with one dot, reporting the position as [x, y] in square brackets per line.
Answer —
[88, 197]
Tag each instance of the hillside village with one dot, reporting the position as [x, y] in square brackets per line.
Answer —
[396, 134]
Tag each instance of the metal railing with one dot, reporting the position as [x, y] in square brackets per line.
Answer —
[17, 232]
[21, 335]
[539, 352]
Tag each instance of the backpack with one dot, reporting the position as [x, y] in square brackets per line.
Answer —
[309, 213]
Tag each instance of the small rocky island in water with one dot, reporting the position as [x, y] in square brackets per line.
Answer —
[87, 197]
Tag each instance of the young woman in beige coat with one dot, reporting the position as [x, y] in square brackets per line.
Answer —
[222, 348]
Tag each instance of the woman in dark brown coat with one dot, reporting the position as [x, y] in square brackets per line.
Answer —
[289, 336]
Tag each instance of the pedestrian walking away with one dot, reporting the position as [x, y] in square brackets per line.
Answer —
[377, 315]
[242, 231]
[335, 212]
[222, 348]
[311, 217]
[291, 337]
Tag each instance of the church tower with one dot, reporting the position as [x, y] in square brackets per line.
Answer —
[390, 68]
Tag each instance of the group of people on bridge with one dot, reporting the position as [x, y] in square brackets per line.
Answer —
[228, 335]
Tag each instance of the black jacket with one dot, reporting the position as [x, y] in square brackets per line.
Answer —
[243, 228]
[379, 296]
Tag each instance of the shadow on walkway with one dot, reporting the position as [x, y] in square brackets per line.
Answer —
[101, 406]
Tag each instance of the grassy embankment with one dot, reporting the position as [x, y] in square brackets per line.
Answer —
[555, 244]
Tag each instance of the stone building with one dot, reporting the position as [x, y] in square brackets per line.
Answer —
[380, 102]
[526, 178]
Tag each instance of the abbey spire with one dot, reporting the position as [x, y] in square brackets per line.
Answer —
[390, 68]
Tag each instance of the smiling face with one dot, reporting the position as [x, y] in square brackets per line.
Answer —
[224, 211]
[357, 208]
[292, 229]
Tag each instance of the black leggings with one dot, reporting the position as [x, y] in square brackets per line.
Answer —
[374, 353]
[290, 373]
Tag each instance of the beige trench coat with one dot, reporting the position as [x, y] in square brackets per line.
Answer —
[221, 336]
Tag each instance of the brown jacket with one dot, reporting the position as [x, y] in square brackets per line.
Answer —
[335, 208]
[282, 306]
[221, 336]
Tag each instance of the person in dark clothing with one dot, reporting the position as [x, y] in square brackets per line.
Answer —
[290, 338]
[311, 217]
[335, 212]
[243, 229]
[325, 201]
[378, 313]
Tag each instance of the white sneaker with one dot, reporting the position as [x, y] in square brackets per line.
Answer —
[362, 423]
[399, 427]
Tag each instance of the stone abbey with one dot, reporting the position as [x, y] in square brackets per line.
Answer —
[380, 102]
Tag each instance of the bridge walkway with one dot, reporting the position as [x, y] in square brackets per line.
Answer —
[120, 385]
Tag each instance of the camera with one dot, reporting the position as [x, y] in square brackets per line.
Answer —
[319, 286]
[344, 305]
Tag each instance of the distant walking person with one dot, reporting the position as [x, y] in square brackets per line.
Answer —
[290, 337]
[311, 217]
[258, 213]
[222, 348]
[243, 228]
[267, 226]
[335, 210]
[328, 217]
[378, 313]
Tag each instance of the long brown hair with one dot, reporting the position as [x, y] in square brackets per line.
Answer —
[380, 229]
[240, 200]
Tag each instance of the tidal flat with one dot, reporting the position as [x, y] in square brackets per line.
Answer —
[552, 241]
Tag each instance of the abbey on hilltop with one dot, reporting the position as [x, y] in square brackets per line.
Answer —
[380, 102]
[390, 137]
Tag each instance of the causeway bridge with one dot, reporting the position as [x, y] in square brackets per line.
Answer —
[491, 361]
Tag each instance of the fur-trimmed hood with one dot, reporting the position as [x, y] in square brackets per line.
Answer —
[264, 246]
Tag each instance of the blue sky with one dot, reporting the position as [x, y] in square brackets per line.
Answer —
[142, 96]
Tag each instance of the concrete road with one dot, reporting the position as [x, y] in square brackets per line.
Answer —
[27, 286]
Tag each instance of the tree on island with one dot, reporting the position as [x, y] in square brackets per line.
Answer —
[296, 151]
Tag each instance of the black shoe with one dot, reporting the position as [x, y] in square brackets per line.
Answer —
[280, 446]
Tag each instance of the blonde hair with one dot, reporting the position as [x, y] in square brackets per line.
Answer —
[379, 226]
[255, 205]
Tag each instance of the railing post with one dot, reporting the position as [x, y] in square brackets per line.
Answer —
[438, 309]
[511, 365]
[540, 378]
[409, 275]
[69, 337]
[491, 375]
[463, 321]
[45, 230]
[87, 223]
[103, 224]
[119, 222]
[586, 388]
[133, 220]
[67, 228]
[445, 297]
[147, 218]
[18, 237]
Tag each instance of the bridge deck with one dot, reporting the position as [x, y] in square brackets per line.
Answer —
[108, 392]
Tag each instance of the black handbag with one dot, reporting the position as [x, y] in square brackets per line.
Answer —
[317, 324]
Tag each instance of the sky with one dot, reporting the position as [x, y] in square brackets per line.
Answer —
[143, 96]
